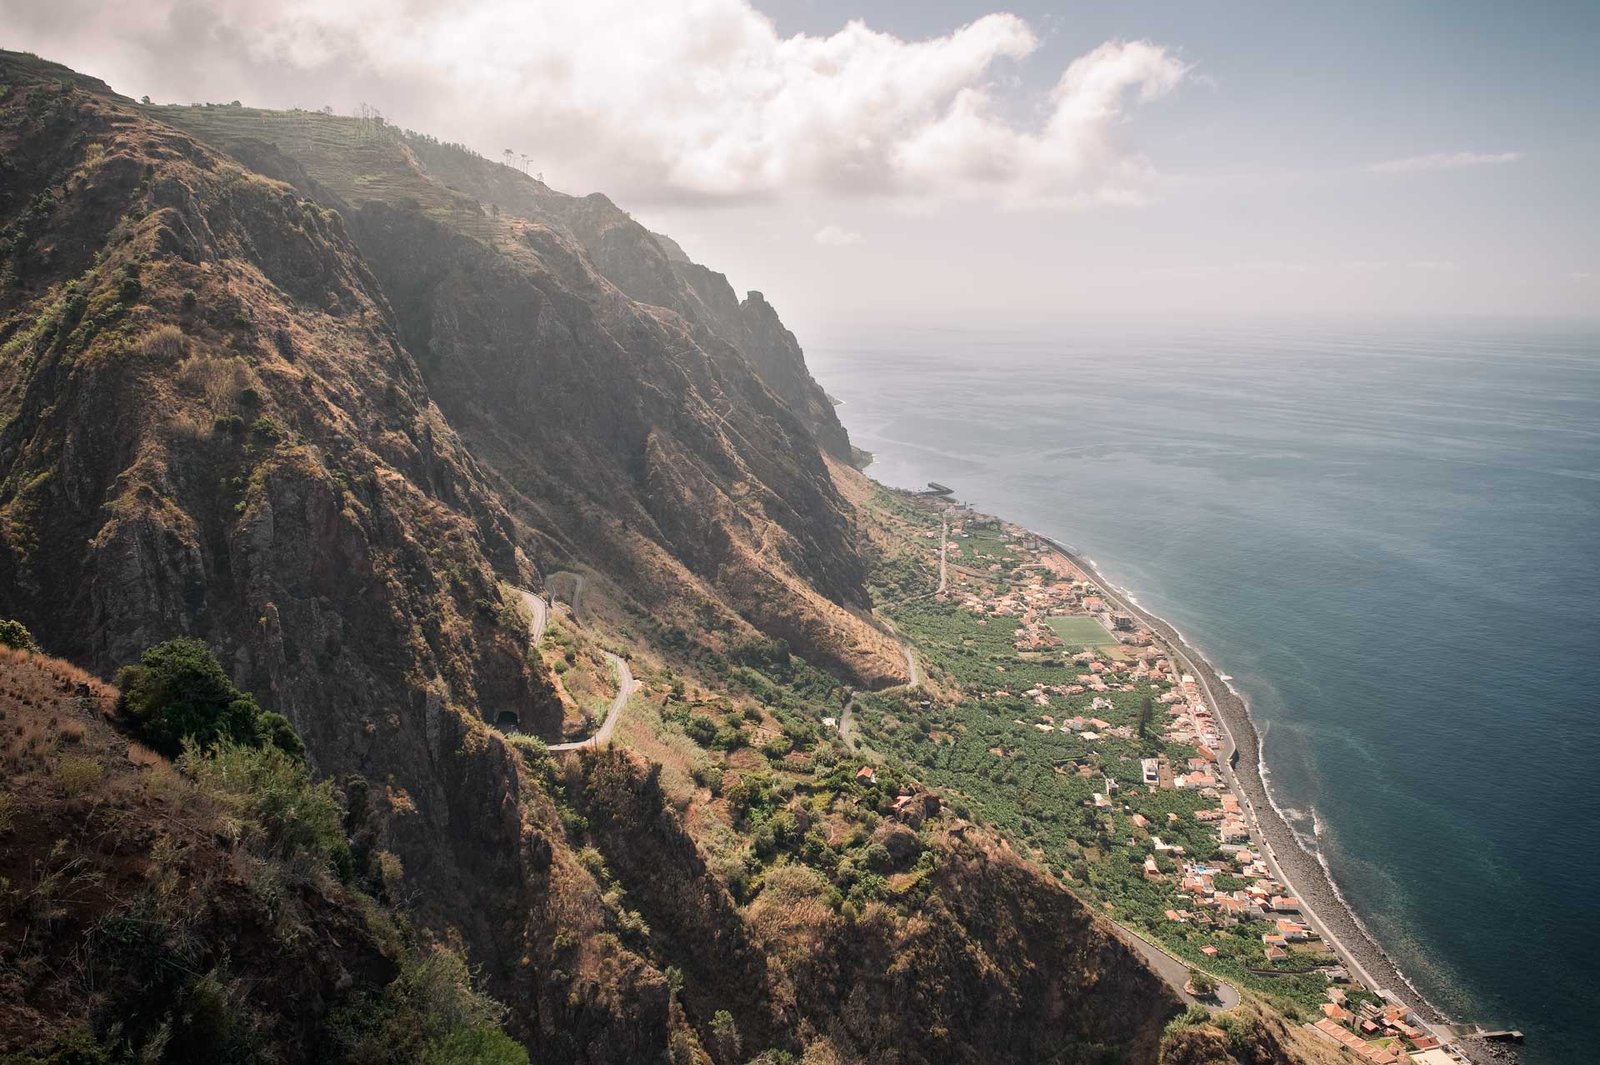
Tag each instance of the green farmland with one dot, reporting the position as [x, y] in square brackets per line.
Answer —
[1082, 632]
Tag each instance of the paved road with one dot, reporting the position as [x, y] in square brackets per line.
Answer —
[578, 592]
[540, 610]
[1176, 972]
[626, 686]
[912, 667]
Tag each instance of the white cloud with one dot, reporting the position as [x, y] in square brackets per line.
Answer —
[670, 100]
[1444, 161]
[836, 236]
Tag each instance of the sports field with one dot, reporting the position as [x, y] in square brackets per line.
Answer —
[1082, 632]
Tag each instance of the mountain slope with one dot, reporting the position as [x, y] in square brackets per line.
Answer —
[622, 419]
[183, 913]
[270, 381]
[211, 428]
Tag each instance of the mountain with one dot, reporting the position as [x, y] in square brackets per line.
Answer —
[342, 401]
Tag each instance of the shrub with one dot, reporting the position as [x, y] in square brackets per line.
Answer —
[725, 1036]
[283, 813]
[180, 694]
[535, 752]
[428, 1014]
[164, 342]
[15, 635]
[77, 775]
[266, 430]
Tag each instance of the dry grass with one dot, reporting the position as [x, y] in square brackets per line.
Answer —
[216, 381]
[165, 342]
[76, 774]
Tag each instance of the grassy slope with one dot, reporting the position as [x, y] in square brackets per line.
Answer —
[140, 906]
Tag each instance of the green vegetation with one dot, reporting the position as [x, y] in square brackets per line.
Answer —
[15, 635]
[428, 1015]
[178, 694]
[281, 811]
[978, 653]
[991, 753]
[1079, 633]
[239, 929]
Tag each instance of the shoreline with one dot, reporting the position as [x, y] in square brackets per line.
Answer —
[1303, 874]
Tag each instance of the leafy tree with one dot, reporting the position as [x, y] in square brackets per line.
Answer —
[1204, 984]
[179, 692]
[15, 635]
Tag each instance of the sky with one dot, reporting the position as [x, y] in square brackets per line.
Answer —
[947, 160]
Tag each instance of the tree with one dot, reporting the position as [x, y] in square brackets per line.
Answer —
[1146, 709]
[179, 691]
[1201, 984]
[15, 635]
[725, 1036]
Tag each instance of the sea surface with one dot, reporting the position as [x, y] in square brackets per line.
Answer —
[1389, 535]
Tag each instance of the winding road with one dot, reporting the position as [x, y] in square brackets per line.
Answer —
[1176, 972]
[539, 611]
[626, 686]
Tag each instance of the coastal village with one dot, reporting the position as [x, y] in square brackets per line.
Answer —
[1147, 749]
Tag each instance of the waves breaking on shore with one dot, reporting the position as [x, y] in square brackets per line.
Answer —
[1292, 818]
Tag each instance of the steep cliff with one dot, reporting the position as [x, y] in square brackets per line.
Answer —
[211, 427]
[621, 420]
[318, 393]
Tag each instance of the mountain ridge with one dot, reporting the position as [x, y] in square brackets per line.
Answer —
[284, 382]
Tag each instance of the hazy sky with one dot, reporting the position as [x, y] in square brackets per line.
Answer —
[953, 158]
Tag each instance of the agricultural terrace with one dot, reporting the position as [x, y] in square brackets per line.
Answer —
[1050, 745]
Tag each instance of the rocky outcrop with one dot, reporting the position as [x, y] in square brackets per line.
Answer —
[619, 417]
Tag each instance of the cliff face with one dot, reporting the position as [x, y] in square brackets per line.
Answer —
[632, 429]
[212, 429]
[316, 393]
[996, 965]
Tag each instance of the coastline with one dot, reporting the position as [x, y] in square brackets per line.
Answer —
[1302, 872]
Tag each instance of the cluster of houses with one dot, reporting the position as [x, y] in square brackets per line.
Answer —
[1383, 1033]
[1046, 588]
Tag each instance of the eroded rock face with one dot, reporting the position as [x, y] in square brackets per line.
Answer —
[674, 447]
[319, 432]
[203, 454]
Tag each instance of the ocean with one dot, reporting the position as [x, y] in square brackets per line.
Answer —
[1388, 534]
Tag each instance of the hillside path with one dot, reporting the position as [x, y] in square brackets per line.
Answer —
[626, 686]
[539, 609]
